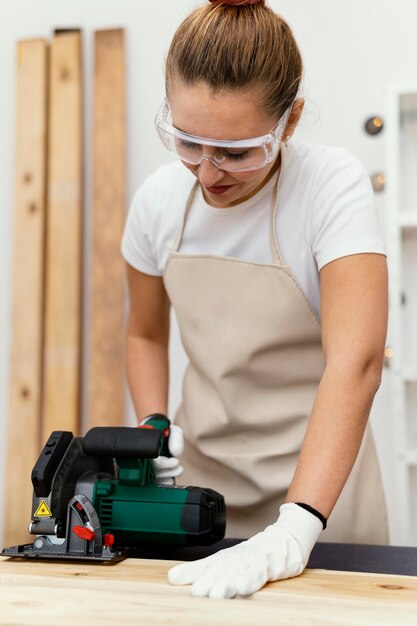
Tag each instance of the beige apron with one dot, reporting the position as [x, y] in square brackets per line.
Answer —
[256, 360]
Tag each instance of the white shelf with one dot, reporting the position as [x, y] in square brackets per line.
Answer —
[402, 88]
[409, 376]
[408, 219]
[401, 220]
[410, 457]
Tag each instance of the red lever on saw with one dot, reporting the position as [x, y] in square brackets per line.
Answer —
[84, 533]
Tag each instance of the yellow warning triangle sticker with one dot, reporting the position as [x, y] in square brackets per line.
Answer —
[43, 510]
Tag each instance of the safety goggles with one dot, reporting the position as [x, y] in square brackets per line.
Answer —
[241, 155]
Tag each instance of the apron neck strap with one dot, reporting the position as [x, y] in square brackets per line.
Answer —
[273, 242]
[180, 232]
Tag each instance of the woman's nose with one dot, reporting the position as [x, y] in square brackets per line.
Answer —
[208, 173]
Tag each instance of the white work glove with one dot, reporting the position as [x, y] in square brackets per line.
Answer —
[168, 468]
[280, 551]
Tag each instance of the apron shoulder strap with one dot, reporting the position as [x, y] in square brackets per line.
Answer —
[180, 231]
[273, 241]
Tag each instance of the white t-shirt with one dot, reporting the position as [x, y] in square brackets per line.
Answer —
[325, 211]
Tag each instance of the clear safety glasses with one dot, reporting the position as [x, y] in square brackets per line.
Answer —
[241, 155]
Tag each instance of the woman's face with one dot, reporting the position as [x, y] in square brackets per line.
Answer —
[225, 116]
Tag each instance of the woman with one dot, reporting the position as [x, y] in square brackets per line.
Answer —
[270, 253]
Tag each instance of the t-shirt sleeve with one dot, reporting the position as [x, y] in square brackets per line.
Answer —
[136, 247]
[343, 217]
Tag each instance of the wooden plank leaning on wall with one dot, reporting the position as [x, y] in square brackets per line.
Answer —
[107, 319]
[23, 444]
[61, 393]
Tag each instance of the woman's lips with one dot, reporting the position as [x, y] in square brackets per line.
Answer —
[219, 190]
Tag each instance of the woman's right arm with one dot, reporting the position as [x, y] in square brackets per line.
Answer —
[147, 343]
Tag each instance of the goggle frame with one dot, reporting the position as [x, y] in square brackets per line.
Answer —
[270, 142]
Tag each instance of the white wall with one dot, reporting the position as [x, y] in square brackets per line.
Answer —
[351, 50]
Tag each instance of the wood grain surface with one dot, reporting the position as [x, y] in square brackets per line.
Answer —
[24, 418]
[136, 591]
[106, 387]
[61, 397]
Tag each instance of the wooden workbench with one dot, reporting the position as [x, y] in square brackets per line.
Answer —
[136, 591]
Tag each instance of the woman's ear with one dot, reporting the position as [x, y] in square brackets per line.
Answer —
[294, 118]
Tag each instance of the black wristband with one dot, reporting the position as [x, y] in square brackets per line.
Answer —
[310, 509]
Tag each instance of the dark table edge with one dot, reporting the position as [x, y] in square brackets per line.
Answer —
[371, 559]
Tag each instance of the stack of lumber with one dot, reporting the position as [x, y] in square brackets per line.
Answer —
[68, 307]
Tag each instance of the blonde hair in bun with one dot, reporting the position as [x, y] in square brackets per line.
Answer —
[237, 44]
[237, 3]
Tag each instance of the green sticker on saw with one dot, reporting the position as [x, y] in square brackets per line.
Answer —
[43, 510]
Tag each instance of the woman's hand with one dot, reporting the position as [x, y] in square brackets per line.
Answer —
[280, 551]
[167, 468]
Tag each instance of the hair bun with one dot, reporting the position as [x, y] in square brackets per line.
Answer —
[236, 3]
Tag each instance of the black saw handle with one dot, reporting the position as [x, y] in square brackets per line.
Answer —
[123, 442]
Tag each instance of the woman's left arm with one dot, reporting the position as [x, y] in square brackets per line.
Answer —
[354, 312]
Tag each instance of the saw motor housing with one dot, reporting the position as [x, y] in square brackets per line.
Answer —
[96, 498]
